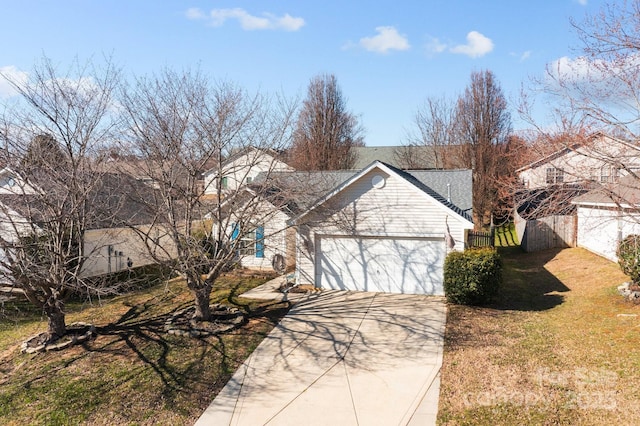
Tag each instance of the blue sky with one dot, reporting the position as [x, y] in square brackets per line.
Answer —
[388, 56]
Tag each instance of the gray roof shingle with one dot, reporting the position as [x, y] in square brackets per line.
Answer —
[453, 188]
[624, 192]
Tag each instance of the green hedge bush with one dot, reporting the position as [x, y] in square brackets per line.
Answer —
[629, 257]
[472, 277]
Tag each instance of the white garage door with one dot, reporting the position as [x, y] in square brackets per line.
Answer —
[390, 265]
[598, 231]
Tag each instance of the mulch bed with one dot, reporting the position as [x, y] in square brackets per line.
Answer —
[78, 332]
[223, 319]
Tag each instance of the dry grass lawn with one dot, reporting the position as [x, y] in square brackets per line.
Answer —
[133, 373]
[560, 346]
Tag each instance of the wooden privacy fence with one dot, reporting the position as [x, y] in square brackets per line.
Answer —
[548, 232]
[481, 239]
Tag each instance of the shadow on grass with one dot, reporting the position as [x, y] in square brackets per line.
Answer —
[180, 364]
[527, 284]
[505, 236]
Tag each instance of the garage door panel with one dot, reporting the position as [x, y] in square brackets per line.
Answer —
[412, 266]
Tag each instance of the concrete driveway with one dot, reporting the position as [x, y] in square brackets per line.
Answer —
[341, 358]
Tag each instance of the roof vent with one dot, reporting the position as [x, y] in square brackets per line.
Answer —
[377, 181]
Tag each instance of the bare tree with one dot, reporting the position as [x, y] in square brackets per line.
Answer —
[482, 127]
[325, 130]
[473, 133]
[180, 125]
[433, 128]
[52, 191]
[595, 92]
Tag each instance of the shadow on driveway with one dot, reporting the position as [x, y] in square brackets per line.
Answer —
[342, 358]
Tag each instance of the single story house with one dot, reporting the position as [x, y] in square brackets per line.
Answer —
[110, 244]
[383, 230]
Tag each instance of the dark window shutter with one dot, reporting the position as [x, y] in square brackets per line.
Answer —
[260, 241]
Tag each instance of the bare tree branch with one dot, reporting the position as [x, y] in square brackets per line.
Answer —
[325, 130]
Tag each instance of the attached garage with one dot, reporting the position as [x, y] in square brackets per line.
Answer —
[382, 230]
[389, 265]
[607, 215]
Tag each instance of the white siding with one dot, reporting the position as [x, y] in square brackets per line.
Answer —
[601, 229]
[396, 210]
[11, 183]
[243, 169]
[584, 163]
[108, 250]
[275, 242]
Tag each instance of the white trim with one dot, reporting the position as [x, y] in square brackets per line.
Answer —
[574, 147]
[417, 287]
[379, 165]
[395, 235]
[606, 205]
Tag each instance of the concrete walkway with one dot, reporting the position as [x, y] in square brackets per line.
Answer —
[341, 358]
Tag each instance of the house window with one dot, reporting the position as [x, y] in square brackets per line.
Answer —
[249, 179]
[250, 243]
[247, 244]
[609, 174]
[555, 175]
[224, 183]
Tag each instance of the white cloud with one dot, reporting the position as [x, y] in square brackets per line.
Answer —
[434, 45]
[290, 23]
[194, 13]
[268, 21]
[576, 69]
[612, 83]
[477, 45]
[387, 39]
[582, 2]
[521, 56]
[15, 75]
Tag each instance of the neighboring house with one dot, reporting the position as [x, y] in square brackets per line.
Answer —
[110, 245]
[382, 229]
[265, 236]
[295, 192]
[242, 168]
[282, 196]
[544, 214]
[607, 215]
[600, 159]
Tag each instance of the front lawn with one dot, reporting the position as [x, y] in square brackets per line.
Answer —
[560, 346]
[133, 372]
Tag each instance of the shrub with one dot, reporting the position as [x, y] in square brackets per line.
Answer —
[629, 257]
[472, 277]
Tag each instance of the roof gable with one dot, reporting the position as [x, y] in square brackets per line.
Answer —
[409, 179]
[13, 183]
[249, 156]
[307, 187]
[582, 148]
